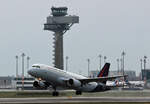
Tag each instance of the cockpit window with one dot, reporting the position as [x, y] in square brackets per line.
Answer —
[36, 66]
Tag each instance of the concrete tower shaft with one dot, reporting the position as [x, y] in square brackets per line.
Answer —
[59, 23]
[58, 50]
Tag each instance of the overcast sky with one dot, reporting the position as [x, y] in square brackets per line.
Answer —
[106, 27]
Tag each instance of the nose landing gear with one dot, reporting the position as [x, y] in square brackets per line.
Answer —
[78, 93]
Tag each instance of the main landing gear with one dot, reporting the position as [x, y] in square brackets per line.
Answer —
[78, 93]
[55, 93]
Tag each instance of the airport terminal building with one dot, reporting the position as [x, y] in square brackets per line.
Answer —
[5, 82]
[146, 74]
[10, 82]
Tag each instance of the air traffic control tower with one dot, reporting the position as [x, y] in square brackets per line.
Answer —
[59, 22]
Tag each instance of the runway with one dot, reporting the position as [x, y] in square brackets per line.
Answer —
[74, 99]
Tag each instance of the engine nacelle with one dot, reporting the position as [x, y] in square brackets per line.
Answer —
[40, 84]
[74, 83]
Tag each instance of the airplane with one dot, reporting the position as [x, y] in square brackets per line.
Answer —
[48, 75]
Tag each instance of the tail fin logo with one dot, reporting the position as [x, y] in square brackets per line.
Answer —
[105, 70]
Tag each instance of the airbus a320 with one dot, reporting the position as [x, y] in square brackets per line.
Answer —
[60, 78]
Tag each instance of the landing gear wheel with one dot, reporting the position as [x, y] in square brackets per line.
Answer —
[78, 93]
[55, 93]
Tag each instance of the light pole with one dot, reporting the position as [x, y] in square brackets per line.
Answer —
[28, 59]
[141, 63]
[88, 60]
[16, 67]
[105, 59]
[67, 63]
[118, 65]
[100, 64]
[23, 55]
[123, 54]
[141, 68]
[145, 57]
[121, 66]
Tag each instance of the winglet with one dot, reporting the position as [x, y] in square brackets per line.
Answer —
[105, 70]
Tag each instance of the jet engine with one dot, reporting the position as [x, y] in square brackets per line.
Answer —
[74, 83]
[40, 84]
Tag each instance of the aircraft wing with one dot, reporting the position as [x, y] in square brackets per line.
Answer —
[99, 79]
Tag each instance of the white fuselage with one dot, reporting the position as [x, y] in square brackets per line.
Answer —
[57, 77]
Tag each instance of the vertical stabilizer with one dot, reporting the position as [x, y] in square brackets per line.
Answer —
[104, 71]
